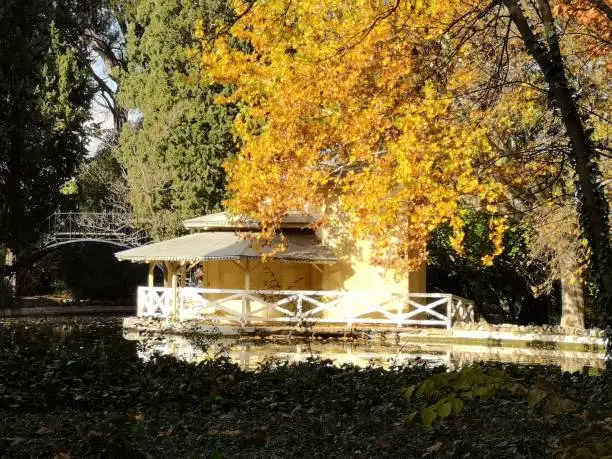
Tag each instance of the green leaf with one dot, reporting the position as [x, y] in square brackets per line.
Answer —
[463, 382]
[490, 392]
[457, 404]
[408, 391]
[422, 388]
[480, 391]
[535, 397]
[428, 416]
[409, 419]
[444, 409]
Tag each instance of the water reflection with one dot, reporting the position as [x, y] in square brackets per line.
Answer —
[249, 354]
[80, 334]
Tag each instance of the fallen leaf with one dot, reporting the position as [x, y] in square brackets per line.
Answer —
[60, 449]
[383, 444]
[434, 447]
[61, 452]
[558, 405]
[224, 433]
[44, 431]
[166, 432]
[585, 416]
[94, 434]
[135, 416]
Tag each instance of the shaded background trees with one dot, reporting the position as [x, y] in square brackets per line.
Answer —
[45, 93]
[172, 149]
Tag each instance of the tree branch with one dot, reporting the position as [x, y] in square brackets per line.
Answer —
[603, 7]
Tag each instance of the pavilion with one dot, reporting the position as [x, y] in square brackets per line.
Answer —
[216, 273]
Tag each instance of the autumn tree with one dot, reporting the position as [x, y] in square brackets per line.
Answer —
[360, 100]
[566, 50]
[342, 113]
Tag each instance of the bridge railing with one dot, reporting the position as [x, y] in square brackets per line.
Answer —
[110, 226]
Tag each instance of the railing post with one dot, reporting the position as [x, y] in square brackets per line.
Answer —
[243, 315]
[449, 312]
[140, 297]
[400, 308]
[299, 315]
[181, 301]
[174, 294]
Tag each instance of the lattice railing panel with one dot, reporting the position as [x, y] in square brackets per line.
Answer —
[307, 307]
[154, 302]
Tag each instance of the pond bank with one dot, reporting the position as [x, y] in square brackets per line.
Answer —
[505, 335]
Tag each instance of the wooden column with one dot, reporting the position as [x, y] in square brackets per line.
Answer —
[174, 278]
[151, 278]
[167, 274]
[183, 275]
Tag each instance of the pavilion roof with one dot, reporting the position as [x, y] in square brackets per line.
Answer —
[222, 220]
[225, 245]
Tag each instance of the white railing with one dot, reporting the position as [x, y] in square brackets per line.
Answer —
[154, 302]
[304, 307]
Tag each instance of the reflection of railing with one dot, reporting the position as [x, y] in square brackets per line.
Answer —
[301, 307]
[454, 356]
[106, 226]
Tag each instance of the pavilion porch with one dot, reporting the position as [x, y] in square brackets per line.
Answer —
[303, 285]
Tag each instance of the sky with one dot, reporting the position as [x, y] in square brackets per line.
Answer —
[100, 113]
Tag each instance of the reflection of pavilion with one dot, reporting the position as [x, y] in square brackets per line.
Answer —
[250, 354]
[316, 279]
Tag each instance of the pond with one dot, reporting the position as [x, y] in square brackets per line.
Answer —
[84, 332]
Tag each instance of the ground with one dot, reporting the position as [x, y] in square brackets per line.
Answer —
[81, 391]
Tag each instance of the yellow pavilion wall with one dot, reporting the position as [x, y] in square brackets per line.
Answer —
[272, 275]
[359, 274]
[355, 274]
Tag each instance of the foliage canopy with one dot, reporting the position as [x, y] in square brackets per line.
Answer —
[342, 112]
[45, 93]
[173, 148]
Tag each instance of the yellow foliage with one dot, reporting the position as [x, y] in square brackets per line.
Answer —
[341, 112]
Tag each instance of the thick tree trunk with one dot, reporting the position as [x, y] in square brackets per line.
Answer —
[593, 207]
[572, 294]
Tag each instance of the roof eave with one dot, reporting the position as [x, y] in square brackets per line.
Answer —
[246, 257]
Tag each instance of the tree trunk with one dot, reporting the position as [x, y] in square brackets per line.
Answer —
[593, 207]
[572, 294]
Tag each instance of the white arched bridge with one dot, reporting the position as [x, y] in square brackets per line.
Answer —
[64, 228]
[102, 227]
